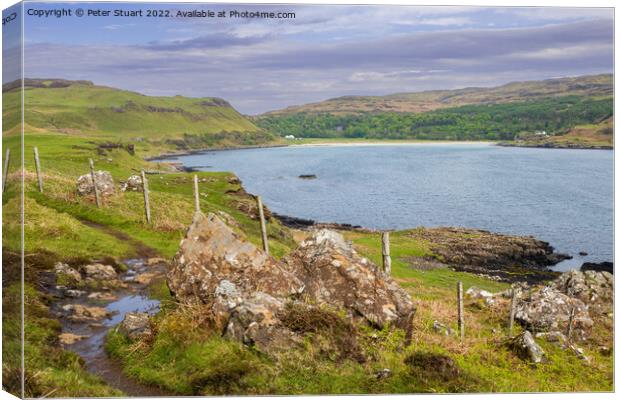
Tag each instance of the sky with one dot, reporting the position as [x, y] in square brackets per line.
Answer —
[260, 65]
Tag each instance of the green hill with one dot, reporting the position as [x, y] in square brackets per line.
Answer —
[591, 85]
[82, 108]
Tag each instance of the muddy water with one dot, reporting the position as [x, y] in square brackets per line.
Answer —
[130, 299]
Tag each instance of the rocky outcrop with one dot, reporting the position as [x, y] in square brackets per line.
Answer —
[549, 310]
[248, 291]
[500, 257]
[588, 294]
[105, 184]
[596, 289]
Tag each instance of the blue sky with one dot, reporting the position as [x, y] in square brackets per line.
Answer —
[326, 51]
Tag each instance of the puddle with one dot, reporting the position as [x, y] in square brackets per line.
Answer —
[91, 349]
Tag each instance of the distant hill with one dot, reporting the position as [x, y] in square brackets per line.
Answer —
[592, 85]
[83, 108]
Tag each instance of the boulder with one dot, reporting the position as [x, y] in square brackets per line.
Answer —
[133, 184]
[526, 347]
[549, 310]
[135, 325]
[66, 274]
[105, 184]
[333, 273]
[247, 291]
[596, 289]
[99, 272]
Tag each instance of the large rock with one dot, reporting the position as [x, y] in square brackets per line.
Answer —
[526, 347]
[333, 273]
[595, 289]
[247, 291]
[133, 184]
[549, 310]
[105, 184]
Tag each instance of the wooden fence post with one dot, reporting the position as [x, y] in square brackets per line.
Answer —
[94, 179]
[263, 225]
[145, 189]
[196, 194]
[385, 251]
[461, 317]
[38, 167]
[6, 168]
[513, 305]
[571, 319]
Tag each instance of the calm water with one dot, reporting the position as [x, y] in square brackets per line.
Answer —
[562, 196]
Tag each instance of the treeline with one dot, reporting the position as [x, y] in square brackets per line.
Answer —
[473, 122]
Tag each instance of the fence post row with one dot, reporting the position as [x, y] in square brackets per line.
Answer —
[145, 189]
[385, 251]
[94, 179]
[461, 317]
[38, 167]
[263, 225]
[6, 168]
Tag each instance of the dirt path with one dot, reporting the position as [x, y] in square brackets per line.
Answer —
[130, 297]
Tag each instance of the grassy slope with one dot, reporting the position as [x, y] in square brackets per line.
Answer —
[432, 100]
[161, 123]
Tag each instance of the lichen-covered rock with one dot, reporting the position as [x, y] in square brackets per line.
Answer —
[133, 184]
[549, 310]
[135, 325]
[212, 252]
[594, 288]
[526, 347]
[247, 291]
[333, 273]
[105, 184]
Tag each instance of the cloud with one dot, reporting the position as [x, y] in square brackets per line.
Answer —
[264, 65]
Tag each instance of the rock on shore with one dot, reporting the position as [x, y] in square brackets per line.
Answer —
[249, 293]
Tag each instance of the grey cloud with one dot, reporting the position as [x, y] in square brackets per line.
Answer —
[270, 74]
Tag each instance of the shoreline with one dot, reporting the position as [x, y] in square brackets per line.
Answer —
[164, 156]
[370, 143]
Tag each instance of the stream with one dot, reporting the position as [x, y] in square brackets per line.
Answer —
[119, 302]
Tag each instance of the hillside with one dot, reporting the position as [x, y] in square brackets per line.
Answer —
[417, 102]
[83, 108]
[498, 121]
